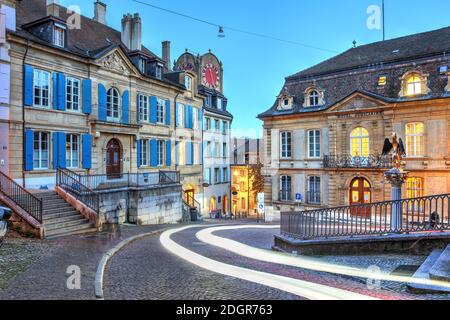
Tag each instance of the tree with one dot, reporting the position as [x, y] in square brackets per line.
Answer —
[256, 178]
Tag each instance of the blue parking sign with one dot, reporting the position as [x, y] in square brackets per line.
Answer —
[298, 197]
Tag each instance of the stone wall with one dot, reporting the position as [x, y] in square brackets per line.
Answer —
[157, 205]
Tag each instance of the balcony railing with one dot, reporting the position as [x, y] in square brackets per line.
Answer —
[313, 197]
[348, 161]
[425, 214]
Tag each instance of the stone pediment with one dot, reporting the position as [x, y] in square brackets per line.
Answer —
[116, 62]
[356, 102]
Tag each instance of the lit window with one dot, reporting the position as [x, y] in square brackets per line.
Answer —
[313, 98]
[41, 85]
[160, 111]
[415, 139]
[285, 188]
[314, 143]
[72, 94]
[58, 36]
[286, 147]
[413, 85]
[72, 151]
[144, 153]
[161, 146]
[414, 187]
[113, 105]
[40, 151]
[143, 108]
[359, 142]
[382, 81]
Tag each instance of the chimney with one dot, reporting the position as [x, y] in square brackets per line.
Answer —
[166, 54]
[53, 8]
[132, 31]
[100, 12]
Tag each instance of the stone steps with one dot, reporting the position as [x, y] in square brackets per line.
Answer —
[436, 258]
[441, 269]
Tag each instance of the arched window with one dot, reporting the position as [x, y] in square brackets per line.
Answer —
[313, 98]
[413, 84]
[359, 142]
[113, 105]
[415, 139]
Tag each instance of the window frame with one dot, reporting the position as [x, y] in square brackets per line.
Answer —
[144, 162]
[314, 193]
[360, 137]
[161, 153]
[188, 82]
[38, 84]
[143, 108]
[313, 98]
[317, 144]
[418, 140]
[160, 111]
[70, 151]
[59, 35]
[286, 152]
[110, 107]
[40, 151]
[415, 187]
[285, 188]
[70, 93]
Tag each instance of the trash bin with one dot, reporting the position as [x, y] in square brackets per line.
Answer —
[194, 215]
[5, 214]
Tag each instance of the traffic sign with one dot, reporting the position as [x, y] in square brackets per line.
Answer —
[298, 197]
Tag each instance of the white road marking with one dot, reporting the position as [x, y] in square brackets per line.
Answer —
[301, 288]
[206, 235]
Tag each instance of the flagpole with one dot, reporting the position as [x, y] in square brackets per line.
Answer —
[384, 32]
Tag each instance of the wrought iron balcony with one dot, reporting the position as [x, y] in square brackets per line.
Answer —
[348, 161]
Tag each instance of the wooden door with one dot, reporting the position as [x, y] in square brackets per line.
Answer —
[113, 160]
[360, 193]
[189, 197]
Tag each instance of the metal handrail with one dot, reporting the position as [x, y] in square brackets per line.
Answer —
[430, 213]
[21, 197]
[71, 182]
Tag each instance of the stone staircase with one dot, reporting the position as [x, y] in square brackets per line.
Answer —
[60, 218]
[436, 267]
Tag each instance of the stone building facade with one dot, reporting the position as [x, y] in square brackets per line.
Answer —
[324, 135]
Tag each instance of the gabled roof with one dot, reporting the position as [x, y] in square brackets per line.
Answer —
[413, 46]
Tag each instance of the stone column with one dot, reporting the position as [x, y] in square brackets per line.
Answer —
[396, 178]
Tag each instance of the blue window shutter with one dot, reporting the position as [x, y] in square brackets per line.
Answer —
[138, 155]
[177, 153]
[138, 112]
[192, 153]
[86, 87]
[191, 117]
[55, 144]
[61, 92]
[28, 86]
[200, 118]
[201, 153]
[177, 121]
[101, 102]
[168, 153]
[153, 153]
[62, 150]
[55, 91]
[187, 149]
[126, 107]
[153, 104]
[87, 151]
[186, 117]
[168, 112]
[29, 142]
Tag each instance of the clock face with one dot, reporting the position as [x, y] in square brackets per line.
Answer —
[210, 76]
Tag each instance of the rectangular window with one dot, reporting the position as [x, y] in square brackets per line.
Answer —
[217, 175]
[216, 149]
[217, 125]
[161, 152]
[72, 151]
[207, 175]
[415, 139]
[180, 116]
[224, 127]
[414, 187]
[224, 150]
[143, 108]
[208, 149]
[313, 195]
[225, 174]
[314, 143]
[158, 72]
[207, 124]
[41, 151]
[219, 104]
[41, 86]
[144, 153]
[195, 118]
[208, 102]
[143, 65]
[58, 36]
[285, 188]
[286, 147]
[72, 94]
[188, 82]
[160, 112]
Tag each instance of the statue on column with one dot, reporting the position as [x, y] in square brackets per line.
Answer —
[396, 149]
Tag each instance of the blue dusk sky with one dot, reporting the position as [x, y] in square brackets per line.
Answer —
[255, 67]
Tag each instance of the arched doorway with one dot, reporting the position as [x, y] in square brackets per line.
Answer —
[113, 159]
[225, 204]
[360, 193]
[212, 204]
[189, 196]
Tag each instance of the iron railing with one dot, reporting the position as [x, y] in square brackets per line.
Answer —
[425, 214]
[129, 180]
[348, 161]
[71, 183]
[21, 197]
[313, 197]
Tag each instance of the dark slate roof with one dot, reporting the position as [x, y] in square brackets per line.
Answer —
[412, 46]
[92, 39]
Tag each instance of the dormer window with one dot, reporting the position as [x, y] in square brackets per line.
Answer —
[188, 82]
[143, 65]
[219, 104]
[59, 35]
[414, 84]
[313, 98]
[159, 72]
[285, 102]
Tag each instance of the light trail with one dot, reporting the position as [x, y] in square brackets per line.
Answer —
[297, 287]
[206, 236]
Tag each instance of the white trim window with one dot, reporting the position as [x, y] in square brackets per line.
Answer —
[415, 139]
[143, 108]
[113, 105]
[225, 174]
[160, 112]
[217, 179]
[41, 151]
[41, 88]
[161, 152]
[188, 82]
[144, 156]
[195, 118]
[180, 117]
[314, 98]
[72, 151]
[207, 176]
[314, 143]
[59, 36]
[219, 103]
[72, 94]
[207, 124]
[217, 125]
[285, 188]
[286, 145]
[313, 190]
[224, 127]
